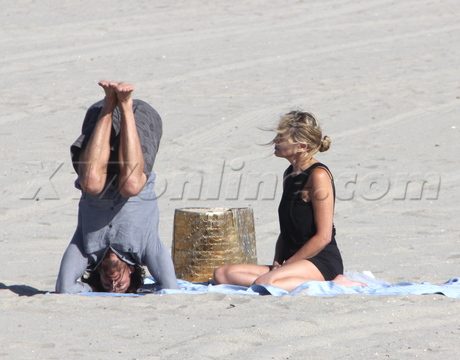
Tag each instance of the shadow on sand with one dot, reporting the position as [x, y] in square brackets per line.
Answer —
[22, 290]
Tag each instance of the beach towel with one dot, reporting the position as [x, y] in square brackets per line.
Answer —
[450, 288]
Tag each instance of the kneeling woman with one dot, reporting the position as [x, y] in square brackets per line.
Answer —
[306, 248]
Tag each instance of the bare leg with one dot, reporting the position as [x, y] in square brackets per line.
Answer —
[239, 274]
[92, 169]
[132, 178]
[346, 282]
[289, 276]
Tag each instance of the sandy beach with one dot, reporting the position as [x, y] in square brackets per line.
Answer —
[381, 76]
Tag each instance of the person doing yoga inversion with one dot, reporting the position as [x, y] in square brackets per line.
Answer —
[117, 230]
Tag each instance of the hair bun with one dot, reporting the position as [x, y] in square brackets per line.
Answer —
[325, 144]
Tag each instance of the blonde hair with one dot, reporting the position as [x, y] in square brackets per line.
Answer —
[303, 127]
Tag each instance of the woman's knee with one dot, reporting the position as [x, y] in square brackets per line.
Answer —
[263, 280]
[220, 274]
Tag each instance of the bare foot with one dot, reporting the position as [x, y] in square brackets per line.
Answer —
[124, 91]
[346, 282]
[110, 94]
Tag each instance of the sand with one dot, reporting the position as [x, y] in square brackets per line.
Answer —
[382, 77]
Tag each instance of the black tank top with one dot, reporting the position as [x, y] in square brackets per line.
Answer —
[296, 217]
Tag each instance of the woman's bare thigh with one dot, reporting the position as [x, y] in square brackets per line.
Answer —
[256, 270]
[302, 269]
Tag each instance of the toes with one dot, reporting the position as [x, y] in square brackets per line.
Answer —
[104, 83]
[124, 87]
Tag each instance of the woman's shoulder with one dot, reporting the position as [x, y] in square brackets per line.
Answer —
[319, 171]
[318, 165]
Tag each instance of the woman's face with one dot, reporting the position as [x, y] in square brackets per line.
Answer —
[285, 147]
[115, 274]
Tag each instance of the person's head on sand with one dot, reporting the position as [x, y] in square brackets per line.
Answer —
[115, 275]
[299, 134]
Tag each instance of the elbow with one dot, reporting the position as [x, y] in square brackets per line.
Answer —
[325, 239]
[71, 287]
[63, 288]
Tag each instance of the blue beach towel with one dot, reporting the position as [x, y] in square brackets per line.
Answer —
[450, 288]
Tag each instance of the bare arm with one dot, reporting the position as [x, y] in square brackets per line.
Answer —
[321, 194]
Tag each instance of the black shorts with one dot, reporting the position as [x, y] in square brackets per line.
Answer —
[329, 266]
